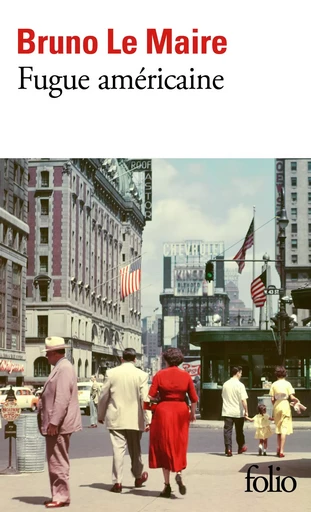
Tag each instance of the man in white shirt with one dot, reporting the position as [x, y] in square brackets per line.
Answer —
[234, 408]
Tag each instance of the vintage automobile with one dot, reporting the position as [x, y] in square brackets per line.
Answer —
[84, 396]
[24, 396]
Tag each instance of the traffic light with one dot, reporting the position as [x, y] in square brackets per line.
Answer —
[289, 323]
[209, 271]
[277, 323]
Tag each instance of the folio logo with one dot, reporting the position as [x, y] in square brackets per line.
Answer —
[263, 484]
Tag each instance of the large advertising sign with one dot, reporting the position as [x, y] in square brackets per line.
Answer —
[148, 195]
[192, 367]
[188, 281]
[139, 165]
[193, 248]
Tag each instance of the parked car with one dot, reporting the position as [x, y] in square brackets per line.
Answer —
[24, 396]
[84, 396]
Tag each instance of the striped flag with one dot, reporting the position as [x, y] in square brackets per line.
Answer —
[247, 244]
[130, 278]
[258, 290]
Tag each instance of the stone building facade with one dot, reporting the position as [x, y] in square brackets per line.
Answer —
[85, 223]
[13, 262]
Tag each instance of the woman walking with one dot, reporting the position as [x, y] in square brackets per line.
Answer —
[169, 429]
[282, 392]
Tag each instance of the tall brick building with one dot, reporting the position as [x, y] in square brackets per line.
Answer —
[83, 227]
[13, 261]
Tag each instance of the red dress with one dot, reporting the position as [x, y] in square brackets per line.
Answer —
[169, 429]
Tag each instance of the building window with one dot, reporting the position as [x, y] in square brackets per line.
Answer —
[43, 289]
[293, 166]
[294, 243]
[15, 173]
[6, 167]
[2, 337]
[41, 367]
[294, 182]
[16, 340]
[44, 264]
[294, 258]
[21, 209]
[309, 243]
[123, 237]
[309, 181]
[309, 258]
[294, 197]
[44, 236]
[294, 228]
[44, 206]
[309, 197]
[5, 199]
[42, 326]
[15, 206]
[16, 274]
[21, 176]
[309, 166]
[123, 257]
[79, 368]
[123, 318]
[294, 276]
[294, 213]
[45, 179]
[15, 309]
[3, 269]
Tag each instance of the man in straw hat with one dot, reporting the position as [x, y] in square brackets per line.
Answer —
[58, 417]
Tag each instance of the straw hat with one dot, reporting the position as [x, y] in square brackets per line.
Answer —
[54, 343]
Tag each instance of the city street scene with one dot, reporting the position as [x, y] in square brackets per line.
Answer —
[177, 286]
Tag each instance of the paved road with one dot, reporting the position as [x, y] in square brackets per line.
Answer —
[96, 443]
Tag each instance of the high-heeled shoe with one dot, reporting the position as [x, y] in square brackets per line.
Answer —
[281, 455]
[166, 493]
[181, 486]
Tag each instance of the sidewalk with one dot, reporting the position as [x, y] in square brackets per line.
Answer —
[214, 482]
[298, 424]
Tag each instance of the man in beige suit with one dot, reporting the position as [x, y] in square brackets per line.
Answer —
[58, 417]
[121, 406]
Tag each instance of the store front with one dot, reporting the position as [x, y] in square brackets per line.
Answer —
[11, 372]
[256, 352]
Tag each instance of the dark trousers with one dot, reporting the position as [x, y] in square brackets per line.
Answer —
[228, 427]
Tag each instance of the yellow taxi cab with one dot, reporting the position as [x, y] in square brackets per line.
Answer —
[24, 397]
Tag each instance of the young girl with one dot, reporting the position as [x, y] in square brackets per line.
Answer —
[263, 429]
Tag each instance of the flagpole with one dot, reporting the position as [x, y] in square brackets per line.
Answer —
[253, 312]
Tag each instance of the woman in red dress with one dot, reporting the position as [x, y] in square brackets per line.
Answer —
[169, 429]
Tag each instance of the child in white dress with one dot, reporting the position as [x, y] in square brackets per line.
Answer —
[263, 429]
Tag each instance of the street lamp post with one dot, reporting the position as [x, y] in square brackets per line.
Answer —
[282, 223]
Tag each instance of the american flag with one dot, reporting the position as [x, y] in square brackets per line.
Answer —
[130, 278]
[257, 290]
[247, 244]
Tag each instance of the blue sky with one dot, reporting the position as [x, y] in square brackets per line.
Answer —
[212, 200]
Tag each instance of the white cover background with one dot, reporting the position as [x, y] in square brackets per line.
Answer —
[263, 110]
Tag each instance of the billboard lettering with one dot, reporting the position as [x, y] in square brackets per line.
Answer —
[193, 249]
[148, 195]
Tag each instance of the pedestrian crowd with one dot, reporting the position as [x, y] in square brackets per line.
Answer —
[128, 408]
